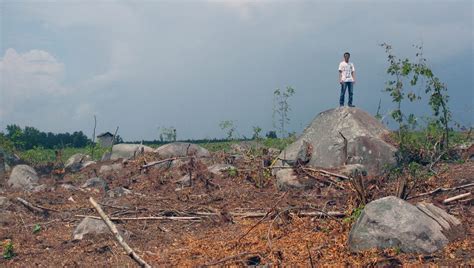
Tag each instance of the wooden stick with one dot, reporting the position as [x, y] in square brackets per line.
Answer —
[32, 207]
[264, 217]
[118, 237]
[324, 181]
[329, 173]
[440, 189]
[144, 218]
[455, 198]
[163, 161]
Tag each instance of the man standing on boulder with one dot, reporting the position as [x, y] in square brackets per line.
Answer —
[346, 78]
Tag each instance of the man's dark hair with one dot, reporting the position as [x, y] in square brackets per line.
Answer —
[347, 53]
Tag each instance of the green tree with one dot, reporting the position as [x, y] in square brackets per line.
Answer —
[405, 74]
[281, 108]
[228, 127]
[256, 132]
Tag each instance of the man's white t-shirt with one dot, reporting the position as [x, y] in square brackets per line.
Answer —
[346, 69]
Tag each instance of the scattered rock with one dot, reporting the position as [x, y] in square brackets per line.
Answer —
[118, 192]
[286, 180]
[76, 162]
[218, 169]
[23, 177]
[89, 226]
[7, 218]
[273, 151]
[245, 147]
[391, 222]
[184, 181]
[69, 187]
[128, 151]
[97, 183]
[4, 203]
[39, 188]
[180, 149]
[110, 168]
[351, 170]
[363, 141]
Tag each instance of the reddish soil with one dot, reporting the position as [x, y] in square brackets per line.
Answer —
[282, 238]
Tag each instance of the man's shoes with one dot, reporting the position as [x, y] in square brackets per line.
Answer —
[351, 105]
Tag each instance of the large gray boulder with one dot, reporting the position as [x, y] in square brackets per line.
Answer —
[128, 151]
[342, 136]
[180, 149]
[391, 222]
[23, 177]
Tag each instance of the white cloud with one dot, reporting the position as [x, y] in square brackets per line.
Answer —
[28, 75]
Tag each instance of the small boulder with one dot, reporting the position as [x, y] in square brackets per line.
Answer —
[352, 169]
[391, 222]
[76, 162]
[184, 180]
[69, 187]
[245, 147]
[89, 226]
[286, 180]
[118, 192]
[4, 203]
[219, 169]
[23, 177]
[180, 149]
[97, 183]
[110, 168]
[128, 151]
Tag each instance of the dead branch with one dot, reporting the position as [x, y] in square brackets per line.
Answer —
[440, 189]
[118, 237]
[157, 218]
[309, 254]
[164, 160]
[324, 181]
[33, 207]
[264, 217]
[455, 198]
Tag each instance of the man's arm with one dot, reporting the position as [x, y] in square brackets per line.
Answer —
[353, 73]
[340, 76]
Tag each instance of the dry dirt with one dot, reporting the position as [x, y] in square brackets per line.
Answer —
[284, 237]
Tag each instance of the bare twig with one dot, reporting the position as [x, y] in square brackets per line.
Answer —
[328, 181]
[157, 218]
[264, 217]
[455, 198]
[438, 190]
[164, 160]
[309, 256]
[118, 237]
[32, 207]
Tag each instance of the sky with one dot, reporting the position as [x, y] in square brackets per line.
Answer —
[147, 65]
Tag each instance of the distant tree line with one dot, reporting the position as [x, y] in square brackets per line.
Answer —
[30, 137]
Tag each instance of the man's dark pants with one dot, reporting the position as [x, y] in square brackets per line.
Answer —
[349, 86]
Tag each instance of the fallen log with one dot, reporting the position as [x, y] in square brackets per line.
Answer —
[118, 237]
